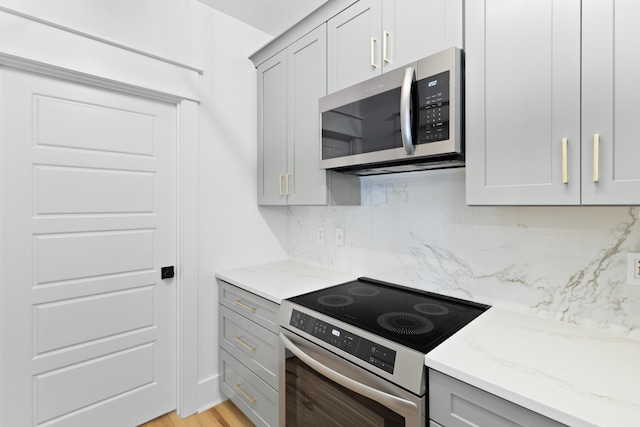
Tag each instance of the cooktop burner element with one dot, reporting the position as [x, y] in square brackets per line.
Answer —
[363, 291]
[405, 323]
[431, 308]
[416, 319]
[335, 300]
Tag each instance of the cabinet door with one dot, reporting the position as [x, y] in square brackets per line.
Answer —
[307, 82]
[414, 29]
[610, 106]
[523, 99]
[272, 130]
[354, 45]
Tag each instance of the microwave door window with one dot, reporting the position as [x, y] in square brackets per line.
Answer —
[368, 125]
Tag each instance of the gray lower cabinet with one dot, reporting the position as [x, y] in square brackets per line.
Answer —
[248, 353]
[551, 90]
[453, 403]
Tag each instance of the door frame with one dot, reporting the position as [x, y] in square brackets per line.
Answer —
[68, 54]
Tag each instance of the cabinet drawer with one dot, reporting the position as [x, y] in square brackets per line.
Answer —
[251, 344]
[259, 310]
[254, 397]
[453, 403]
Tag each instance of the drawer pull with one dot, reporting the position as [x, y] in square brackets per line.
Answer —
[245, 395]
[245, 306]
[245, 345]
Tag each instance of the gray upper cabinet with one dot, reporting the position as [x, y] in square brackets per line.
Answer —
[374, 36]
[545, 125]
[522, 102]
[272, 134]
[610, 107]
[289, 86]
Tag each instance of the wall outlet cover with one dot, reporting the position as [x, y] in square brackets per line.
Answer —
[339, 236]
[633, 266]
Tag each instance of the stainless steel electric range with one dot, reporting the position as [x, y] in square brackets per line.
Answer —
[353, 354]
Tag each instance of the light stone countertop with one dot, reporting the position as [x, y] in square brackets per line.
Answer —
[576, 376]
[282, 280]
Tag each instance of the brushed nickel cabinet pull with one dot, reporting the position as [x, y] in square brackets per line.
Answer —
[565, 179]
[245, 306]
[596, 153]
[245, 395]
[244, 344]
[373, 52]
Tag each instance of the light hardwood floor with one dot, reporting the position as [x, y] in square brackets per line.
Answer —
[225, 414]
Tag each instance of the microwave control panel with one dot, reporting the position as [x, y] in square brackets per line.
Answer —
[377, 355]
[433, 108]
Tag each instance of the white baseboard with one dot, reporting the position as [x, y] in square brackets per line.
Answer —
[209, 393]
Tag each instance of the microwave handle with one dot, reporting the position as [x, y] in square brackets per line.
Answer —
[392, 402]
[405, 110]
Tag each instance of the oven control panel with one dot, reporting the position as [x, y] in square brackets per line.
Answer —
[372, 353]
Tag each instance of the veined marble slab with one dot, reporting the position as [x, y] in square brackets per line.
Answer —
[577, 376]
[282, 280]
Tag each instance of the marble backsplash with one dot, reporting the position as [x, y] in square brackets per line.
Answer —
[567, 263]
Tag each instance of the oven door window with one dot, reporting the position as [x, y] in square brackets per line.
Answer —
[315, 401]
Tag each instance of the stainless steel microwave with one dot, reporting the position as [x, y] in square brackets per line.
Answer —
[403, 120]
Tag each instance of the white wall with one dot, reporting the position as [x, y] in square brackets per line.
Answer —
[415, 229]
[234, 232]
[158, 27]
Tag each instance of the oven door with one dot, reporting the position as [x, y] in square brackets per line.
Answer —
[319, 388]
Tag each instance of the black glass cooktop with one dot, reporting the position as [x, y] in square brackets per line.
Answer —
[417, 319]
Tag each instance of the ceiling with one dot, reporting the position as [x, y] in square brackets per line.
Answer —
[271, 16]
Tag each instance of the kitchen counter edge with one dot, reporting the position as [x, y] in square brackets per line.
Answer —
[574, 375]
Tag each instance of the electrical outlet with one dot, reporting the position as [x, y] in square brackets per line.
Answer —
[320, 234]
[633, 268]
[339, 236]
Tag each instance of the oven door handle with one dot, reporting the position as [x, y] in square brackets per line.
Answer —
[392, 402]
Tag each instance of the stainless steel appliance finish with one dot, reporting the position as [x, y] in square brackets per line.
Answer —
[353, 354]
[407, 119]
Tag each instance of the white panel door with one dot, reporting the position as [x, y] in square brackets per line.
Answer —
[87, 219]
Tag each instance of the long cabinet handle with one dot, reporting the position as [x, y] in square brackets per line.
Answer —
[244, 344]
[244, 394]
[373, 52]
[565, 178]
[280, 184]
[385, 41]
[245, 306]
[596, 154]
[286, 183]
